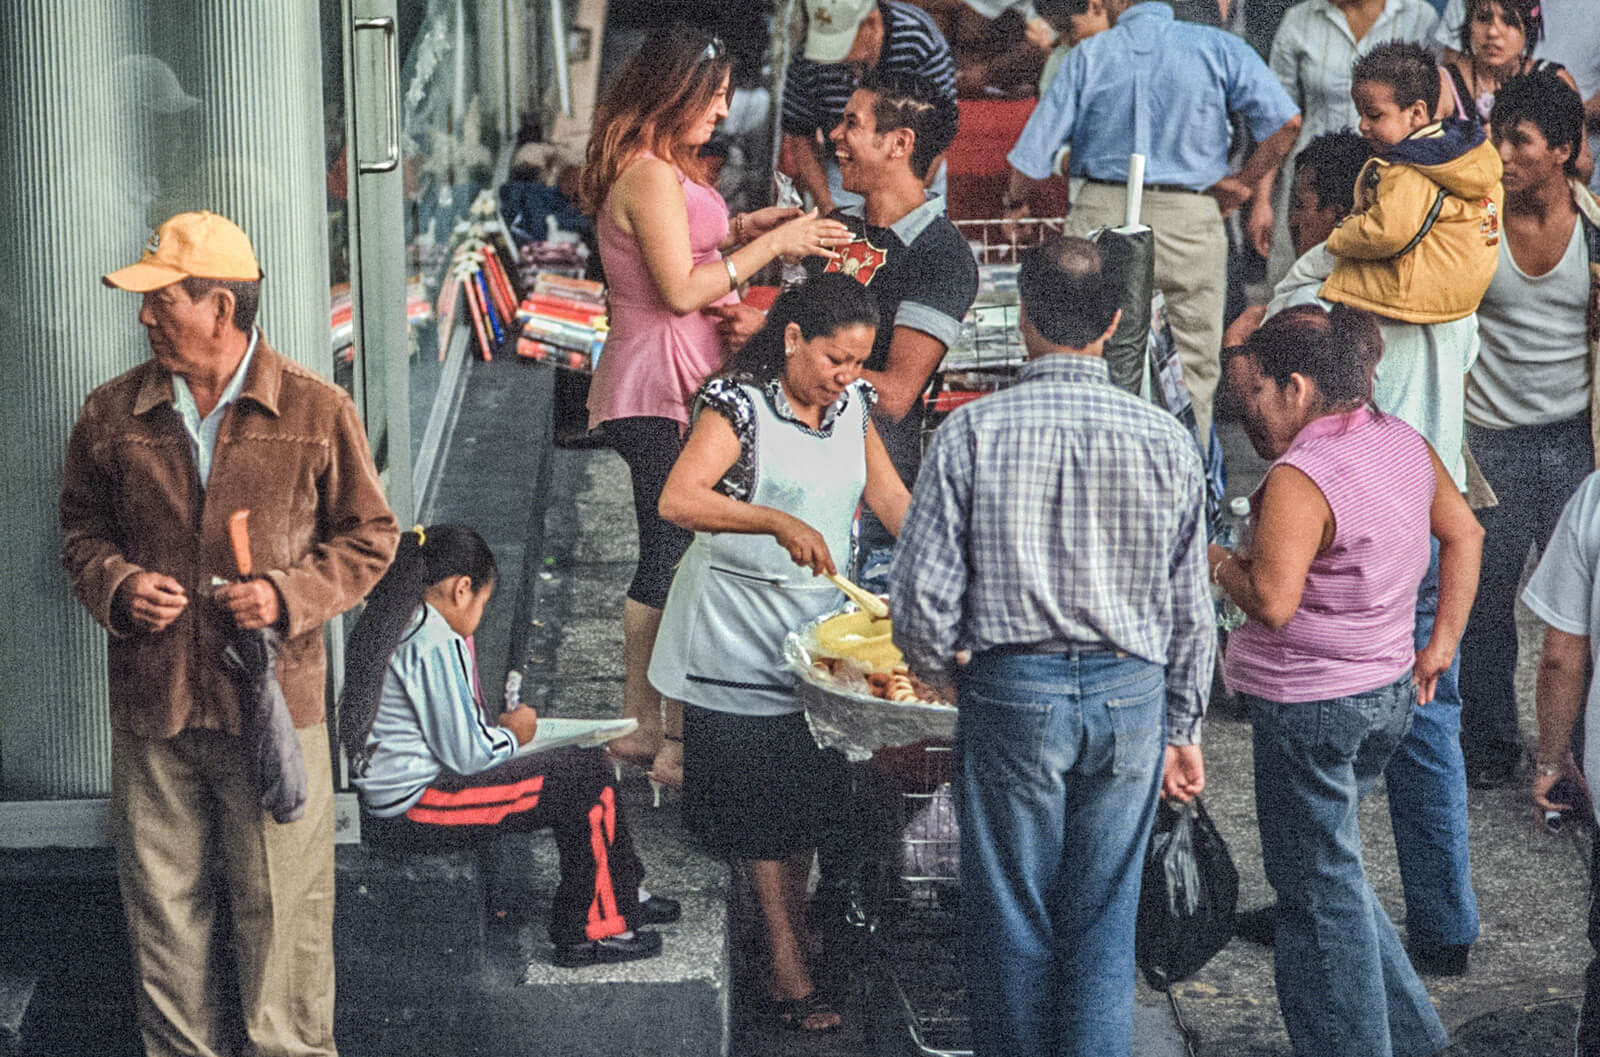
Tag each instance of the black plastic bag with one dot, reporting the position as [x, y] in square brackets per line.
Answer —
[1190, 892]
[1128, 268]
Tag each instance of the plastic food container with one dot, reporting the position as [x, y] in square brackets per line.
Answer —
[844, 715]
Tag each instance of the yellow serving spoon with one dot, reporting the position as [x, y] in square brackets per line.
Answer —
[870, 603]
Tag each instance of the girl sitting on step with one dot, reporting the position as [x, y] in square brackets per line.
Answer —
[435, 771]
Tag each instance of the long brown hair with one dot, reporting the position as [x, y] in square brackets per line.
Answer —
[660, 93]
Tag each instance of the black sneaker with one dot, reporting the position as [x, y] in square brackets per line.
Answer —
[609, 951]
[658, 910]
[1439, 959]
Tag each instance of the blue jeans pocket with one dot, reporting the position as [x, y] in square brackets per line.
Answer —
[1011, 729]
[1359, 728]
[1136, 732]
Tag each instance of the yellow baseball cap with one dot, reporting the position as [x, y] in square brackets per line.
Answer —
[200, 245]
[831, 27]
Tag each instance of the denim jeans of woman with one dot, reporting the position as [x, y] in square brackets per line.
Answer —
[1059, 765]
[1345, 985]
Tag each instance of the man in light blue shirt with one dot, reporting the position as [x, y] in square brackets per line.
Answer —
[1168, 90]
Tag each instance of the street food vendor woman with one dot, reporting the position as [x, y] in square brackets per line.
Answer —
[769, 482]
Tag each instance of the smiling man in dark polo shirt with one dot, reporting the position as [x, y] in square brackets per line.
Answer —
[909, 254]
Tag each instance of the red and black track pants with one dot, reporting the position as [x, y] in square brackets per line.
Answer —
[568, 791]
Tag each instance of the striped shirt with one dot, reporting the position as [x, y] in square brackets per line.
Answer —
[1060, 512]
[1353, 630]
[815, 93]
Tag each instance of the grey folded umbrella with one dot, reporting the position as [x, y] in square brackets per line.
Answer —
[276, 763]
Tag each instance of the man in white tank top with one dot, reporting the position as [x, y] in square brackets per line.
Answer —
[1528, 396]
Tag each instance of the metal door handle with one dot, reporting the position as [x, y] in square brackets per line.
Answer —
[392, 96]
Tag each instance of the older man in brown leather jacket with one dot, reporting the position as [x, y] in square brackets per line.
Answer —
[216, 421]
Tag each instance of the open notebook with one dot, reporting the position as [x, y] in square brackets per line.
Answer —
[554, 733]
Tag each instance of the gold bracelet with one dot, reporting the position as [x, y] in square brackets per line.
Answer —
[733, 273]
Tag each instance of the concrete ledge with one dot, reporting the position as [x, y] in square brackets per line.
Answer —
[687, 1017]
[16, 994]
[408, 929]
[674, 1005]
[48, 825]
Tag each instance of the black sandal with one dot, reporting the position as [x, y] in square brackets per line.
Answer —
[797, 1014]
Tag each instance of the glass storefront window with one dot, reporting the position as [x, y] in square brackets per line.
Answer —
[449, 143]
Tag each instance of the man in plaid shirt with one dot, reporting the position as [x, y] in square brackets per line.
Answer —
[1056, 534]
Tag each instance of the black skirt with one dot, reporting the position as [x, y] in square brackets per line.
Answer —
[753, 786]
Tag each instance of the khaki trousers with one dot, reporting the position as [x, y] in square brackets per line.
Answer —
[1191, 271]
[187, 830]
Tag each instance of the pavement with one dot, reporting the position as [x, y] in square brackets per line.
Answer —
[1518, 999]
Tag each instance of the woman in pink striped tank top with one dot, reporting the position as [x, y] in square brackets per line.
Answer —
[1326, 660]
[669, 251]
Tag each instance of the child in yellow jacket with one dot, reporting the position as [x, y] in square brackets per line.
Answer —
[1422, 243]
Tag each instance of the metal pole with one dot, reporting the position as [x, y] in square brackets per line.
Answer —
[1135, 189]
[783, 21]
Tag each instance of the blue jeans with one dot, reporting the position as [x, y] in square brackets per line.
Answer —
[1345, 985]
[1058, 763]
[1534, 470]
[872, 568]
[1427, 781]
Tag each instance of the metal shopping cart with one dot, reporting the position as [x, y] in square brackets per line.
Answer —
[914, 940]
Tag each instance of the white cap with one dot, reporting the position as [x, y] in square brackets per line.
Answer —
[1239, 506]
[831, 27]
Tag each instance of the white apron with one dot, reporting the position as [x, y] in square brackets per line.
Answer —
[735, 596]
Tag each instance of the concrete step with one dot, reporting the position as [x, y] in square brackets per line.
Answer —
[421, 974]
[16, 995]
[672, 1005]
[63, 931]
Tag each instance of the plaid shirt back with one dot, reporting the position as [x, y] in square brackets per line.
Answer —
[1061, 512]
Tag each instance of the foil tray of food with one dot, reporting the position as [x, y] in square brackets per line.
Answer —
[858, 695]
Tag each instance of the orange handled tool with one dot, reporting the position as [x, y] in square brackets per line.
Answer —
[239, 537]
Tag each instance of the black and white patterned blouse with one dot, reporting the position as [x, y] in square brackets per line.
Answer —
[732, 400]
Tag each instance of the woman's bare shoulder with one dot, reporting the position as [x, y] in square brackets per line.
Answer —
[645, 183]
[647, 173]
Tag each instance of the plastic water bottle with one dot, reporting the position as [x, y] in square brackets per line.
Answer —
[1234, 534]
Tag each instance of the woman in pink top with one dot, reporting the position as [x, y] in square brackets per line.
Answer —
[662, 231]
[1326, 661]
